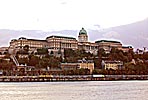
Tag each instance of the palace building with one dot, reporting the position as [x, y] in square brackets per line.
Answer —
[108, 45]
[57, 44]
[33, 44]
[83, 37]
[61, 42]
[84, 44]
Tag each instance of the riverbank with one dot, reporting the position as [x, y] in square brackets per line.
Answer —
[49, 78]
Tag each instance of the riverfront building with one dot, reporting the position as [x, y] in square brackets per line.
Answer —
[81, 64]
[112, 65]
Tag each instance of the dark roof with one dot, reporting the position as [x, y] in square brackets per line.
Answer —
[107, 41]
[60, 37]
[127, 47]
[23, 38]
[82, 31]
[37, 40]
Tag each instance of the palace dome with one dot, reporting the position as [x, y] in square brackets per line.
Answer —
[82, 31]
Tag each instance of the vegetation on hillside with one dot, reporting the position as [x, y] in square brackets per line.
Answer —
[43, 60]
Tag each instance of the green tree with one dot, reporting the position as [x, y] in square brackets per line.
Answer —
[23, 61]
[54, 62]
[44, 62]
[42, 51]
[26, 49]
[33, 60]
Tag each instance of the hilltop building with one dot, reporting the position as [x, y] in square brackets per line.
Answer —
[33, 44]
[107, 45]
[83, 37]
[84, 44]
[60, 43]
[57, 44]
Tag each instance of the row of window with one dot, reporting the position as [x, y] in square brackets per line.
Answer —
[64, 40]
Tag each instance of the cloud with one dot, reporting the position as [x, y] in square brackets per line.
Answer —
[63, 3]
[111, 34]
[98, 26]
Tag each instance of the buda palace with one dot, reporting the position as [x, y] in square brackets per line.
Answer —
[54, 44]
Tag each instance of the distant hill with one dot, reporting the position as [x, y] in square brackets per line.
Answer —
[6, 35]
[135, 34]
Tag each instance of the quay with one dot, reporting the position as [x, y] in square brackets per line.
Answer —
[57, 78]
[44, 78]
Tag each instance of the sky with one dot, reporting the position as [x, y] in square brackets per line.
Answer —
[52, 15]
[39, 19]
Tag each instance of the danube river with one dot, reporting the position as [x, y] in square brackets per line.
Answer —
[87, 90]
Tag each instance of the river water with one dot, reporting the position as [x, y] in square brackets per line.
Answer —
[87, 90]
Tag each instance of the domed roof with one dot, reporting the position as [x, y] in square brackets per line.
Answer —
[82, 31]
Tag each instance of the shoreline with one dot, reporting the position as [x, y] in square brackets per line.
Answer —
[70, 78]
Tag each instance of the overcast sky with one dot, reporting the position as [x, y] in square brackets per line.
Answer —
[51, 15]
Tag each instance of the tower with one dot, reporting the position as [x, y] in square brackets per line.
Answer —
[83, 36]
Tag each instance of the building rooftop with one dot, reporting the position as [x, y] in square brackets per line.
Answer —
[107, 41]
[23, 38]
[53, 36]
[37, 40]
[127, 47]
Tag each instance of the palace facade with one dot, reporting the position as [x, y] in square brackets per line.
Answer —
[33, 44]
[108, 45]
[57, 44]
[84, 44]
